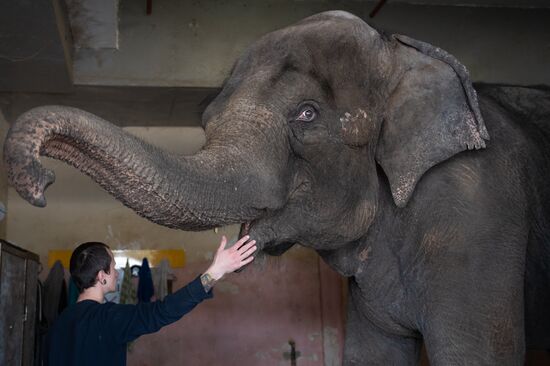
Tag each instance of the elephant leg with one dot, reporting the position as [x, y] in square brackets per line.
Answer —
[367, 344]
[452, 344]
[477, 327]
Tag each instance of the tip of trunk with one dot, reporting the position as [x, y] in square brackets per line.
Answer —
[27, 175]
[32, 186]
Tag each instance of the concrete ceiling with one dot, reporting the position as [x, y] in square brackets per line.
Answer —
[36, 41]
[39, 40]
[94, 23]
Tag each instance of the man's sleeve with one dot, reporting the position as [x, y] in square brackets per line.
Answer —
[128, 322]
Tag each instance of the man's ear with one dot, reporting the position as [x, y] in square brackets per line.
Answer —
[101, 275]
[431, 115]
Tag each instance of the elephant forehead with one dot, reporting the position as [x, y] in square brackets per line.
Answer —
[343, 14]
[301, 44]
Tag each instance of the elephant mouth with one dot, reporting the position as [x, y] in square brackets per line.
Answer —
[268, 248]
[264, 248]
[245, 229]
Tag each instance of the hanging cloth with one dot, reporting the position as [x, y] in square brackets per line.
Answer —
[55, 300]
[161, 279]
[127, 289]
[55, 293]
[145, 286]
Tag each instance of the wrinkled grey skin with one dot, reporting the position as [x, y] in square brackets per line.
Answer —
[368, 148]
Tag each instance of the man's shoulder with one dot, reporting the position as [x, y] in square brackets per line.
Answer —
[79, 311]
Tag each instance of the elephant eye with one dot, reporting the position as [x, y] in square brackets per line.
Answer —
[307, 114]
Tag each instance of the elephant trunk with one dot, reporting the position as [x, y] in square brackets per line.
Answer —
[211, 188]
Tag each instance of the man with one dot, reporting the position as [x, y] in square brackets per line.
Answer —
[92, 332]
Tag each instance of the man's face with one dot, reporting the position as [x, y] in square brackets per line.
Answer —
[112, 276]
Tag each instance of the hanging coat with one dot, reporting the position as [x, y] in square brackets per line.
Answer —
[55, 293]
[160, 277]
[145, 286]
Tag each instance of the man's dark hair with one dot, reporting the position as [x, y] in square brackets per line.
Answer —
[86, 262]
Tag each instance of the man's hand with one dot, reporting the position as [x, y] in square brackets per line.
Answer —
[228, 260]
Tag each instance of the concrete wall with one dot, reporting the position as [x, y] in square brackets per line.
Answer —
[187, 43]
[3, 179]
[251, 320]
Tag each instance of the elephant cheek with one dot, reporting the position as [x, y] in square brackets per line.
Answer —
[356, 128]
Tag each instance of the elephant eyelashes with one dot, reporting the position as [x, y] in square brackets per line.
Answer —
[307, 114]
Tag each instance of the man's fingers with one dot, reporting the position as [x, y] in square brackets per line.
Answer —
[247, 246]
[241, 241]
[247, 260]
[248, 252]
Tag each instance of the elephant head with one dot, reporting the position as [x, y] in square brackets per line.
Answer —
[309, 120]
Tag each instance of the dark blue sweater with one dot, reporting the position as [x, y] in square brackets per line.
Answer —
[90, 333]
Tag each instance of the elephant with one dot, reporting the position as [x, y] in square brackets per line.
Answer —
[428, 192]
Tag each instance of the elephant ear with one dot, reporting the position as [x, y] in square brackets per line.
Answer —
[431, 115]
